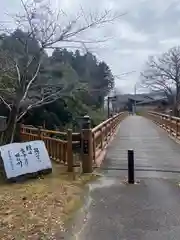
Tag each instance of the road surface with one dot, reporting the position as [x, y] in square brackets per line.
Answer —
[147, 210]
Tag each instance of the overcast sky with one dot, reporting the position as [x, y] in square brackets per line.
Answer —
[149, 27]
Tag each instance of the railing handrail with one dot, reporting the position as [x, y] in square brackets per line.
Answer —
[169, 123]
[47, 131]
[160, 114]
[165, 115]
[101, 125]
[95, 129]
[90, 144]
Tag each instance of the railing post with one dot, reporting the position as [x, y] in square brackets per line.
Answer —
[70, 159]
[113, 125]
[101, 137]
[87, 146]
[170, 124]
[177, 128]
[108, 103]
[106, 133]
[166, 122]
[109, 130]
[94, 147]
[110, 127]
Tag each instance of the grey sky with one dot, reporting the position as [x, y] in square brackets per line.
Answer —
[149, 27]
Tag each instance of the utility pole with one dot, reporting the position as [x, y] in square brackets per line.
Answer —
[113, 98]
[135, 89]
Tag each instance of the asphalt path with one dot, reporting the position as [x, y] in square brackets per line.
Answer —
[147, 210]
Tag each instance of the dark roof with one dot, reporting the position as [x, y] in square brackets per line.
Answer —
[138, 97]
[152, 101]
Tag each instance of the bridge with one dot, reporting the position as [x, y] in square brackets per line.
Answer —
[149, 209]
[153, 138]
[72, 148]
[109, 141]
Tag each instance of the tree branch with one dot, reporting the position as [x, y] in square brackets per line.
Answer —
[41, 27]
[5, 103]
[18, 73]
[31, 82]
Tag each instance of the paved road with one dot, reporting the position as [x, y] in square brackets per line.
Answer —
[145, 211]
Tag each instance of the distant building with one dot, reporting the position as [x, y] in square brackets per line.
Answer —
[155, 104]
[151, 101]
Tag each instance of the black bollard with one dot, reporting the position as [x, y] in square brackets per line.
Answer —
[130, 166]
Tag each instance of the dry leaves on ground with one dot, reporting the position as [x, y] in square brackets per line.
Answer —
[38, 208]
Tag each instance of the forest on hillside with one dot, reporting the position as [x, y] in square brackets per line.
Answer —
[87, 81]
[43, 83]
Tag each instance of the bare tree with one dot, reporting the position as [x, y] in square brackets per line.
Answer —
[162, 74]
[22, 85]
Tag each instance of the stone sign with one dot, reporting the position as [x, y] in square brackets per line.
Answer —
[23, 158]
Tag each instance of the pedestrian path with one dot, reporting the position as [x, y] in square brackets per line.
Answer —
[147, 210]
[155, 153]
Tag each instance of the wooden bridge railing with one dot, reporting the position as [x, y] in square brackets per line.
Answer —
[102, 135]
[170, 123]
[68, 148]
[60, 145]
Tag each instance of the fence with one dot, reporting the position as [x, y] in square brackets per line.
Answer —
[102, 135]
[170, 123]
[70, 148]
[60, 145]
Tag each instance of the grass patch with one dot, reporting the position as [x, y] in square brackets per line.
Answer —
[138, 114]
[38, 208]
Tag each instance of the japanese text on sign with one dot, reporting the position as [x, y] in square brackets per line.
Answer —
[23, 158]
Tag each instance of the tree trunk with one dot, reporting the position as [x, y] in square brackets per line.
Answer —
[9, 133]
[175, 111]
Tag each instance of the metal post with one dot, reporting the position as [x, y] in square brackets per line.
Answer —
[130, 166]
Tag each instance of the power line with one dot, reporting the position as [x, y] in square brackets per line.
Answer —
[124, 74]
